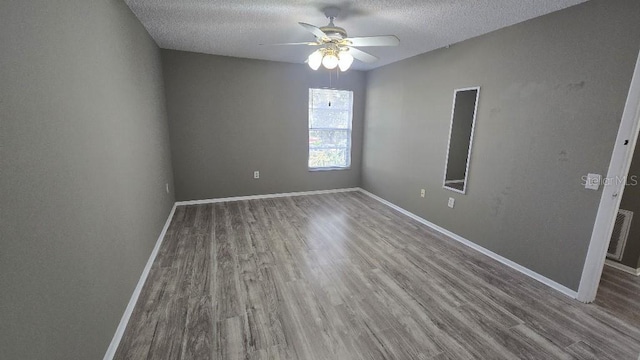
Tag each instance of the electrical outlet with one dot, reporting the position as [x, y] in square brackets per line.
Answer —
[166, 186]
[452, 202]
[422, 192]
[593, 181]
[256, 174]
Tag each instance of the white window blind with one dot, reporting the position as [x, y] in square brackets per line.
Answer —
[330, 115]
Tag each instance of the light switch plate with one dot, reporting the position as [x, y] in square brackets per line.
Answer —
[593, 181]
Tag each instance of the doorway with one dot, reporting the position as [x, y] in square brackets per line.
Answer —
[612, 192]
[619, 288]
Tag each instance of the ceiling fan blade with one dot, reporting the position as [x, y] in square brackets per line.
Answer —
[314, 30]
[384, 40]
[361, 55]
[297, 43]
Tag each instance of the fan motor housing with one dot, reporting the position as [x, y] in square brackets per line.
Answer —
[334, 32]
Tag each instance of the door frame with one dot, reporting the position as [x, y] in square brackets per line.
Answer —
[612, 191]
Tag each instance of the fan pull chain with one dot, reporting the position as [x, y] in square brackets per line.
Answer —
[331, 77]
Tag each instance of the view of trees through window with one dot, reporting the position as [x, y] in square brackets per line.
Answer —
[330, 113]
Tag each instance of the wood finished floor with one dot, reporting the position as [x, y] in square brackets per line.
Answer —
[619, 294]
[342, 276]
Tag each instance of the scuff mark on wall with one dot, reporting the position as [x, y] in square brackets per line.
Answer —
[498, 201]
[562, 156]
[575, 86]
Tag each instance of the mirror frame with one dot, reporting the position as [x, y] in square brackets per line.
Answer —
[473, 127]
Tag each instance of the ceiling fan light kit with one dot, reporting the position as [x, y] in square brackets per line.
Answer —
[330, 59]
[338, 50]
[346, 60]
[315, 59]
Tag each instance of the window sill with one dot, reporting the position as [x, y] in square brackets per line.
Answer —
[329, 168]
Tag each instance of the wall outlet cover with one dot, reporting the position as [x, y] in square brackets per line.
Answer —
[422, 192]
[256, 174]
[452, 202]
[593, 181]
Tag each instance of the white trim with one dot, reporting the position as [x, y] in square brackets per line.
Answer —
[622, 267]
[612, 193]
[532, 274]
[473, 127]
[453, 181]
[454, 189]
[349, 130]
[115, 341]
[265, 196]
[329, 168]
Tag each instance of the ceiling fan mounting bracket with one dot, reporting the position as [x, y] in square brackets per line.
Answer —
[331, 12]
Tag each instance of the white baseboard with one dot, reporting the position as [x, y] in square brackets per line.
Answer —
[265, 196]
[621, 267]
[111, 351]
[552, 284]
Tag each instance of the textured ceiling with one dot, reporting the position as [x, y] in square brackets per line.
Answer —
[236, 28]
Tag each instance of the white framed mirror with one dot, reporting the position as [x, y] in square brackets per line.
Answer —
[463, 120]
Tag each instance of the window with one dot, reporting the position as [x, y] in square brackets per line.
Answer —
[330, 113]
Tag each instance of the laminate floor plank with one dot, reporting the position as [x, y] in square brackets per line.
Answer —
[343, 276]
[583, 351]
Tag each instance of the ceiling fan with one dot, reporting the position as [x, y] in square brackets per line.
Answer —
[336, 49]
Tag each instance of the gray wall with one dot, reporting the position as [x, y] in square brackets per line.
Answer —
[631, 201]
[84, 161]
[231, 116]
[553, 91]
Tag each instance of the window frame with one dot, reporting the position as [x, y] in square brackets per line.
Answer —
[349, 130]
